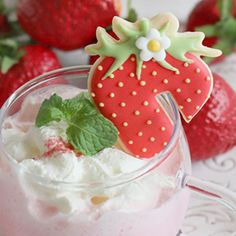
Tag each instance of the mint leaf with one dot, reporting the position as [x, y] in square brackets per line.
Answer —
[74, 105]
[50, 110]
[88, 131]
[91, 133]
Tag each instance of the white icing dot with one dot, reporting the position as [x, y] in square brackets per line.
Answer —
[132, 58]
[155, 90]
[142, 83]
[131, 142]
[145, 103]
[154, 73]
[165, 81]
[152, 139]
[144, 149]
[208, 78]
[157, 110]
[199, 91]
[190, 117]
[120, 84]
[188, 100]
[114, 115]
[101, 104]
[137, 113]
[149, 122]
[112, 95]
[181, 107]
[93, 95]
[177, 72]
[186, 64]
[99, 85]
[197, 107]
[131, 74]
[178, 90]
[144, 66]
[122, 104]
[121, 68]
[112, 76]
[187, 81]
[134, 93]
[165, 143]
[163, 128]
[100, 68]
[198, 70]
[125, 124]
[140, 134]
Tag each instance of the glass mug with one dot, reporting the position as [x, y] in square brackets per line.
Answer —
[152, 199]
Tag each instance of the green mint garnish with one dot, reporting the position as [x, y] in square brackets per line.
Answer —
[88, 130]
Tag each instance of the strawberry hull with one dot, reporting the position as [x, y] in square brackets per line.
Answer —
[132, 106]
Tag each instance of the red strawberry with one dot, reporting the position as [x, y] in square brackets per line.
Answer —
[65, 24]
[35, 61]
[213, 131]
[217, 20]
[130, 102]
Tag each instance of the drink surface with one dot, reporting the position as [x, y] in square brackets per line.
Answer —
[148, 204]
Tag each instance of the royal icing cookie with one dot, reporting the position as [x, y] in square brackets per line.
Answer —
[149, 58]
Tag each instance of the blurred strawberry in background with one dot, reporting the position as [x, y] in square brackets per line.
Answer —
[213, 130]
[65, 24]
[22, 65]
[20, 60]
[216, 18]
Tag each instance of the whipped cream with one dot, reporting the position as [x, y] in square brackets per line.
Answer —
[45, 152]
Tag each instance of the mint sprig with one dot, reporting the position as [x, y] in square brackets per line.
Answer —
[88, 130]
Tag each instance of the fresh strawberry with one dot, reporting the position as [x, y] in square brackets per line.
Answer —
[65, 24]
[34, 60]
[216, 18]
[127, 96]
[213, 131]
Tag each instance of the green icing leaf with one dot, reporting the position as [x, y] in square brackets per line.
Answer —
[122, 49]
[88, 131]
[128, 33]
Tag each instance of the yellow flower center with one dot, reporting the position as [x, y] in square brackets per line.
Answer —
[154, 45]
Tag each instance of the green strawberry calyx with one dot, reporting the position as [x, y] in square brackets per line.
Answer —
[224, 30]
[88, 131]
[128, 33]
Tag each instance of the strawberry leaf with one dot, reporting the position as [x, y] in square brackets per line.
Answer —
[208, 30]
[88, 131]
[9, 54]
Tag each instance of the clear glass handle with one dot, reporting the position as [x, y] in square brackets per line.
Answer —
[210, 190]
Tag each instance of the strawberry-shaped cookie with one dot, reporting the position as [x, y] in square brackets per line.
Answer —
[149, 58]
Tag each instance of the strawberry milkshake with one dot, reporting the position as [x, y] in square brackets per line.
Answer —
[49, 189]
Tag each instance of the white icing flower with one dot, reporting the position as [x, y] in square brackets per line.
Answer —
[153, 46]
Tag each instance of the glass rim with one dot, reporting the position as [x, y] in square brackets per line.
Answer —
[113, 181]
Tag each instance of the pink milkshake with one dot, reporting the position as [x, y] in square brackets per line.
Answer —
[48, 189]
